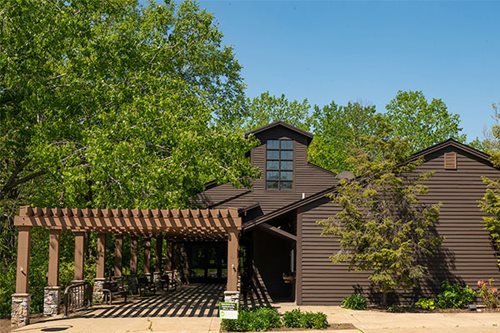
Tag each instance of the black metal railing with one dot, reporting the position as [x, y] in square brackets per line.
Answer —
[77, 296]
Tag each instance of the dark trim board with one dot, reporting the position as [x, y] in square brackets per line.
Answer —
[298, 274]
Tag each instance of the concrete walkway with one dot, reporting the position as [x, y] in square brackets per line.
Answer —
[364, 321]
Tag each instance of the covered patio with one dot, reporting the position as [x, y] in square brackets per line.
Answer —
[175, 225]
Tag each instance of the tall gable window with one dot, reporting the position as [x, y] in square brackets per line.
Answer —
[279, 164]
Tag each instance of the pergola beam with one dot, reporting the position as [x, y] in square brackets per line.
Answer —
[136, 219]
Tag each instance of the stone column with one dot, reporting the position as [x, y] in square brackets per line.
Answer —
[52, 293]
[20, 315]
[98, 294]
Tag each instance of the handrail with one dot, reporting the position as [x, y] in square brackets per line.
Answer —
[77, 296]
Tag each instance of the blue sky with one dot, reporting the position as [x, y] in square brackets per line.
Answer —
[367, 51]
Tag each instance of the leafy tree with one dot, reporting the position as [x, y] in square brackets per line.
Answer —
[266, 108]
[420, 122]
[490, 202]
[490, 143]
[111, 104]
[382, 226]
[337, 131]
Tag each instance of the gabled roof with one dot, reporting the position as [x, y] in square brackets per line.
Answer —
[320, 195]
[308, 135]
[452, 143]
[288, 208]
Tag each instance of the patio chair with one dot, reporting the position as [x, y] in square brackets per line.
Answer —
[113, 289]
[167, 281]
[145, 286]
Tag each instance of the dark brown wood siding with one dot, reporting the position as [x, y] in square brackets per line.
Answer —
[308, 179]
[466, 253]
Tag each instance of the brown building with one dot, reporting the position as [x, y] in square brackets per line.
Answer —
[282, 253]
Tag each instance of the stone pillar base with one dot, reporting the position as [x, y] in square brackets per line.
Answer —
[98, 294]
[157, 279]
[132, 284]
[231, 296]
[20, 315]
[51, 301]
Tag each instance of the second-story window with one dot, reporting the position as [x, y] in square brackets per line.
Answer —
[279, 164]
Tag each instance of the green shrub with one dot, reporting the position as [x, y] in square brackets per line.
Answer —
[258, 319]
[298, 319]
[355, 302]
[454, 295]
[264, 319]
[316, 320]
[489, 294]
[426, 304]
[291, 319]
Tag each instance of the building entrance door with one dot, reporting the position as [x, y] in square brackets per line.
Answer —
[208, 262]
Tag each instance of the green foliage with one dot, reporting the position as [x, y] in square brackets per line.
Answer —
[112, 104]
[265, 109]
[298, 319]
[426, 304]
[491, 143]
[490, 203]
[454, 296]
[265, 319]
[315, 320]
[382, 226]
[355, 302]
[292, 319]
[489, 293]
[337, 131]
[420, 122]
[7, 288]
[258, 319]
[394, 308]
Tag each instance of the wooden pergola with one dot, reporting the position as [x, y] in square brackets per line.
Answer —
[174, 224]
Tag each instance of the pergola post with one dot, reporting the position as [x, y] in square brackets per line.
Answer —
[20, 315]
[79, 256]
[133, 263]
[118, 256]
[169, 255]
[98, 294]
[147, 258]
[232, 260]
[133, 255]
[52, 293]
[158, 257]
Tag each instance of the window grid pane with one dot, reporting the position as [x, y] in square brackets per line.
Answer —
[279, 165]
